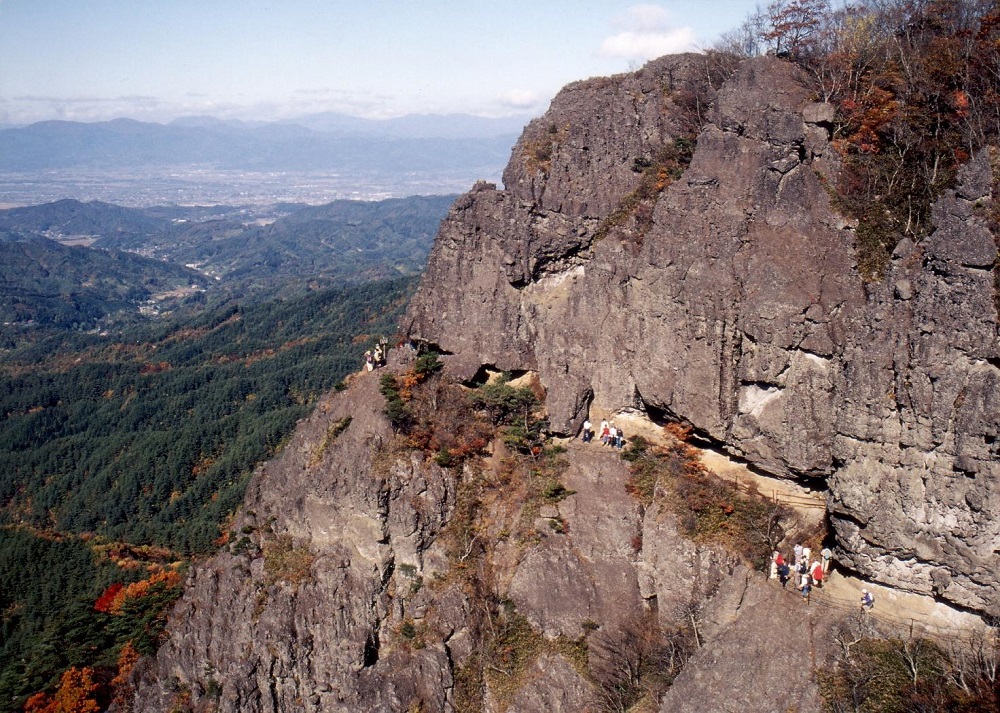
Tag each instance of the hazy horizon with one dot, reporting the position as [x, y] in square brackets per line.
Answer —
[253, 61]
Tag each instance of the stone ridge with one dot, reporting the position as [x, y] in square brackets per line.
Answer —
[741, 311]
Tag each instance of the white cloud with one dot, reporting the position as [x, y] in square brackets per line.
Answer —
[28, 108]
[520, 99]
[647, 45]
[646, 32]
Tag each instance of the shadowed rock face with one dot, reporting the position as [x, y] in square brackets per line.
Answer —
[740, 310]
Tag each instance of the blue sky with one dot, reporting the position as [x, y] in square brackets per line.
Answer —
[154, 60]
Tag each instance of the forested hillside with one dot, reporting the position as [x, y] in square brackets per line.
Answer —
[339, 241]
[119, 457]
[44, 283]
[342, 240]
[137, 395]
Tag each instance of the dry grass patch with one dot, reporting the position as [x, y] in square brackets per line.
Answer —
[285, 561]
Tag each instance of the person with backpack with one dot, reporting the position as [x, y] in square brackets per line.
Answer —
[805, 579]
[784, 572]
[867, 601]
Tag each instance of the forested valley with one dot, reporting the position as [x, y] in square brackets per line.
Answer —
[124, 450]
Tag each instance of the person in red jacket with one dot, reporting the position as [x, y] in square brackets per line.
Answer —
[817, 573]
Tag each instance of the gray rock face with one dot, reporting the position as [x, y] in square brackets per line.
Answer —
[265, 628]
[763, 662]
[734, 305]
[338, 550]
[740, 311]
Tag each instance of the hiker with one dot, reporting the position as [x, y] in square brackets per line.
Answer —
[604, 432]
[776, 562]
[816, 571]
[826, 554]
[587, 434]
[806, 590]
[867, 601]
[807, 554]
[369, 362]
[620, 439]
[798, 553]
[805, 580]
[784, 573]
[377, 356]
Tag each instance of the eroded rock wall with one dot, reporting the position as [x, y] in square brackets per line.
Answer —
[289, 615]
[741, 311]
[336, 592]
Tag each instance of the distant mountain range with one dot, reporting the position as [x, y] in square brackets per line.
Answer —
[316, 142]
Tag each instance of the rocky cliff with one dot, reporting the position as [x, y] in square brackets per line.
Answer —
[720, 290]
[740, 310]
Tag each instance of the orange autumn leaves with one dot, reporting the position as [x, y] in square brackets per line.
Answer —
[80, 689]
[89, 690]
[77, 694]
[114, 598]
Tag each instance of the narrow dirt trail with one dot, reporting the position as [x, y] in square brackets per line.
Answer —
[895, 610]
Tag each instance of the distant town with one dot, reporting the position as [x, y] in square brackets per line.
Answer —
[189, 185]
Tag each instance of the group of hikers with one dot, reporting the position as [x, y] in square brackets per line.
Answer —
[807, 572]
[610, 434]
[376, 357]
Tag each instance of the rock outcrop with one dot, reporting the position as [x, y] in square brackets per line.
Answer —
[336, 592]
[729, 300]
[740, 310]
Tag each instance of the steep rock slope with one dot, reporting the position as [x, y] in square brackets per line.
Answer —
[338, 591]
[738, 308]
[731, 301]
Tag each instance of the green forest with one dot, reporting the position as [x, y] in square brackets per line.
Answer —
[120, 457]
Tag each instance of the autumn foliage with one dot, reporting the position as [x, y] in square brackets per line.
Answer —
[707, 508]
[114, 598]
[916, 85]
[138, 607]
[77, 694]
[104, 602]
[128, 657]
